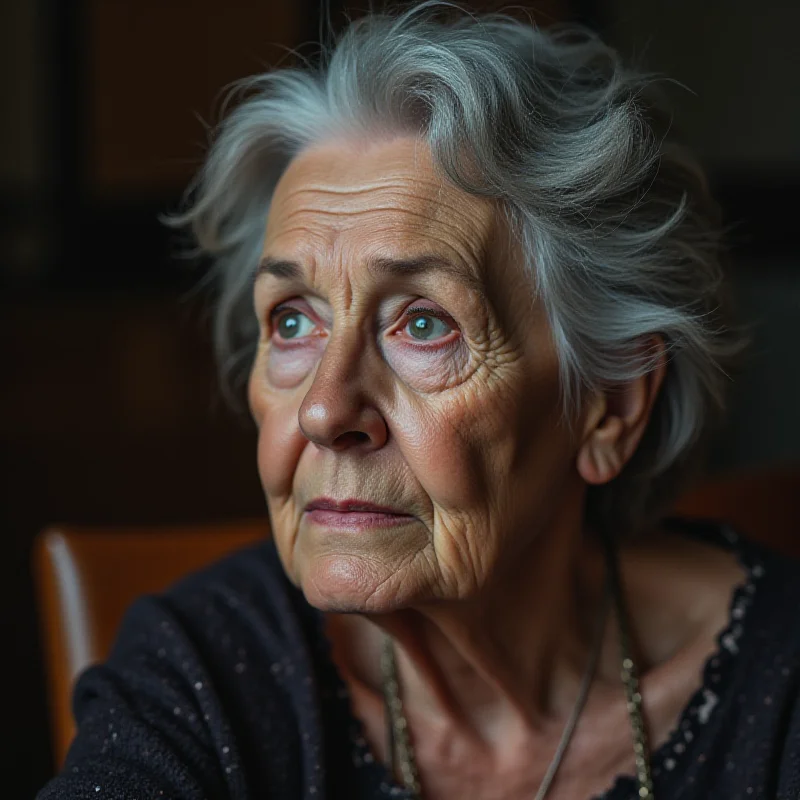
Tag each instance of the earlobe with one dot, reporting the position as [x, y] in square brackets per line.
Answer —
[599, 459]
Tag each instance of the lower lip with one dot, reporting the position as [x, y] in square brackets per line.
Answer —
[356, 520]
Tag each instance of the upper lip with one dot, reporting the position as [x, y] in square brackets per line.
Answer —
[351, 505]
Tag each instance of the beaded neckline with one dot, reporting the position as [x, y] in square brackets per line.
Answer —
[704, 702]
[707, 697]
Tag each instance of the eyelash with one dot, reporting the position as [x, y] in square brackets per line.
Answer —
[280, 309]
[431, 312]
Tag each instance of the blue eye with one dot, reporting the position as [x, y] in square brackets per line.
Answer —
[426, 327]
[294, 325]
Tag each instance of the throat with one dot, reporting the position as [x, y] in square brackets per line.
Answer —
[487, 690]
[508, 663]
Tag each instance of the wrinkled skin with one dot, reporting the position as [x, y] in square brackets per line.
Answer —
[432, 388]
[462, 433]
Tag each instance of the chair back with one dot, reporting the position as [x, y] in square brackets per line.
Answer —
[762, 505]
[87, 577]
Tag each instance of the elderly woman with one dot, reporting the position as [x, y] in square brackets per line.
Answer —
[486, 343]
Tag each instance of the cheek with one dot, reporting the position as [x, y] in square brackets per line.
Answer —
[487, 455]
[288, 367]
[280, 448]
[280, 445]
[276, 392]
[437, 447]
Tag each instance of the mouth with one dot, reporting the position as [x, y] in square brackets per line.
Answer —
[353, 514]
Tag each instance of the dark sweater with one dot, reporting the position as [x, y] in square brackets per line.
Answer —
[223, 687]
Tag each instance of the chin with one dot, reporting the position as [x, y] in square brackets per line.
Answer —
[349, 584]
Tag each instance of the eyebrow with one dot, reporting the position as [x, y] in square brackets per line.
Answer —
[403, 267]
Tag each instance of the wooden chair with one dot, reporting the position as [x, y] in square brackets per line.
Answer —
[764, 505]
[86, 578]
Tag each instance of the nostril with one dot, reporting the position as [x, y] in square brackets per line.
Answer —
[342, 425]
[352, 438]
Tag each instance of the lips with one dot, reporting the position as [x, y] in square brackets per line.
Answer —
[353, 514]
[350, 506]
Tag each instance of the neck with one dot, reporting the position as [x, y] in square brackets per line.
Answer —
[511, 658]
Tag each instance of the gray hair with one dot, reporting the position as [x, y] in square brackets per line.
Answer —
[616, 225]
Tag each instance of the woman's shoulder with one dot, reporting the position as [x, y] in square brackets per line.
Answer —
[237, 628]
[218, 666]
[752, 594]
[250, 575]
[742, 722]
[767, 595]
[757, 656]
[241, 603]
[771, 596]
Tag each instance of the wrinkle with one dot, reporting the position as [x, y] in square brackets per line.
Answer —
[374, 601]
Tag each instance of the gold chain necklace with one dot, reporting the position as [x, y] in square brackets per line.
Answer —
[399, 742]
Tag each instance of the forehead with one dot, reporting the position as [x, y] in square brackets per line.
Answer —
[383, 198]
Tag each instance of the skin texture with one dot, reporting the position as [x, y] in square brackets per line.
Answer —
[486, 578]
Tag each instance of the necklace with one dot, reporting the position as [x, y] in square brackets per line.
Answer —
[399, 744]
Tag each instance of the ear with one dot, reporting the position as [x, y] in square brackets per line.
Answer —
[615, 420]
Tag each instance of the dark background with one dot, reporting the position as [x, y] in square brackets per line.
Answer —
[109, 411]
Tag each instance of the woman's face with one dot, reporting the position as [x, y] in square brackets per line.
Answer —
[406, 385]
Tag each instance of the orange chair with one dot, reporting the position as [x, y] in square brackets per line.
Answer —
[764, 505]
[87, 578]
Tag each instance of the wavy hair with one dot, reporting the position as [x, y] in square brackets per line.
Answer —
[619, 234]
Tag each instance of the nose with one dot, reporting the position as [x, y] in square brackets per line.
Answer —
[337, 413]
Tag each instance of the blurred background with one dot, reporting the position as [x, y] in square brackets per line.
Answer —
[109, 411]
